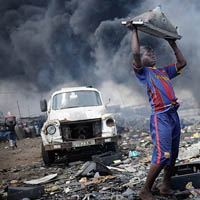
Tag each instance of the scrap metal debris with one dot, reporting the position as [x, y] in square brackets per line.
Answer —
[155, 23]
[123, 179]
[41, 180]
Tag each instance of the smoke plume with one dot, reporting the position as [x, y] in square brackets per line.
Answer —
[46, 44]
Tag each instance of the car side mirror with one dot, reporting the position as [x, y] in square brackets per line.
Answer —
[43, 105]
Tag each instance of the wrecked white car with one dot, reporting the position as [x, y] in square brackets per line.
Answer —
[78, 125]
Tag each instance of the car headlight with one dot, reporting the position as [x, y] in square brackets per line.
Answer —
[110, 122]
[51, 129]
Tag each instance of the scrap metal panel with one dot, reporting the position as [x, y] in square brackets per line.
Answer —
[155, 23]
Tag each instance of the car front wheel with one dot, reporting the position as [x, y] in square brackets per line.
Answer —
[48, 156]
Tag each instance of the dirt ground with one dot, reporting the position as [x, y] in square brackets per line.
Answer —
[14, 164]
[27, 152]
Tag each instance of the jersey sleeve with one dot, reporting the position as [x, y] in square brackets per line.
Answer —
[171, 70]
[140, 73]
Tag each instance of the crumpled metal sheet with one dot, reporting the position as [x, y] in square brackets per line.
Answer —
[41, 180]
[155, 23]
[90, 167]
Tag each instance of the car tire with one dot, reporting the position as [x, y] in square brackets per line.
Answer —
[48, 156]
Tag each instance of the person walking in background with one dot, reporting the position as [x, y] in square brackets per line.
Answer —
[10, 122]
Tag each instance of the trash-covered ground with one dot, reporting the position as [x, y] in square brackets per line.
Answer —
[23, 167]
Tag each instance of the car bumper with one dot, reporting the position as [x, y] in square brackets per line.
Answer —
[69, 145]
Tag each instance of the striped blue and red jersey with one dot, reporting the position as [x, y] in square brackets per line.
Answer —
[158, 86]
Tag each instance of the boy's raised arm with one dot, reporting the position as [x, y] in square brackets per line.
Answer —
[181, 62]
[135, 45]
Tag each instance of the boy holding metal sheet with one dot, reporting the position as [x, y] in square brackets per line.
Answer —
[164, 121]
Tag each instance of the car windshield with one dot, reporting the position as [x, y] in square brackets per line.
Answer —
[76, 99]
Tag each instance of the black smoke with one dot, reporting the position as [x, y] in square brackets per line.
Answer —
[47, 43]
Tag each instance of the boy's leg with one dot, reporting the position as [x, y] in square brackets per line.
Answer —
[15, 140]
[145, 193]
[8, 136]
[169, 170]
[160, 127]
[10, 139]
[156, 128]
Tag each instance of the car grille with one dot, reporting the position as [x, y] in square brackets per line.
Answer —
[84, 129]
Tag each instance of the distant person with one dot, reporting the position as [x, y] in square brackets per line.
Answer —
[27, 130]
[40, 124]
[164, 121]
[36, 128]
[10, 122]
[32, 130]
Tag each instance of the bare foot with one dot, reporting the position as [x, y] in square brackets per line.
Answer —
[145, 195]
[166, 190]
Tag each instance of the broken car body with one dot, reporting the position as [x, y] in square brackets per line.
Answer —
[77, 123]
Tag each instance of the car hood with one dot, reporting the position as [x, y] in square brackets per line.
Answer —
[76, 114]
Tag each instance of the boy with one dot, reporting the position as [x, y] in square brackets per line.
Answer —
[164, 121]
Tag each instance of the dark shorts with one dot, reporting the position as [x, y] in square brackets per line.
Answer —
[165, 134]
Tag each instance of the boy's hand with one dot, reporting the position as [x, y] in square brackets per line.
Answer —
[181, 63]
[130, 26]
[171, 41]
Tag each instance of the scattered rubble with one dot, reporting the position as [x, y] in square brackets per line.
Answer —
[120, 178]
